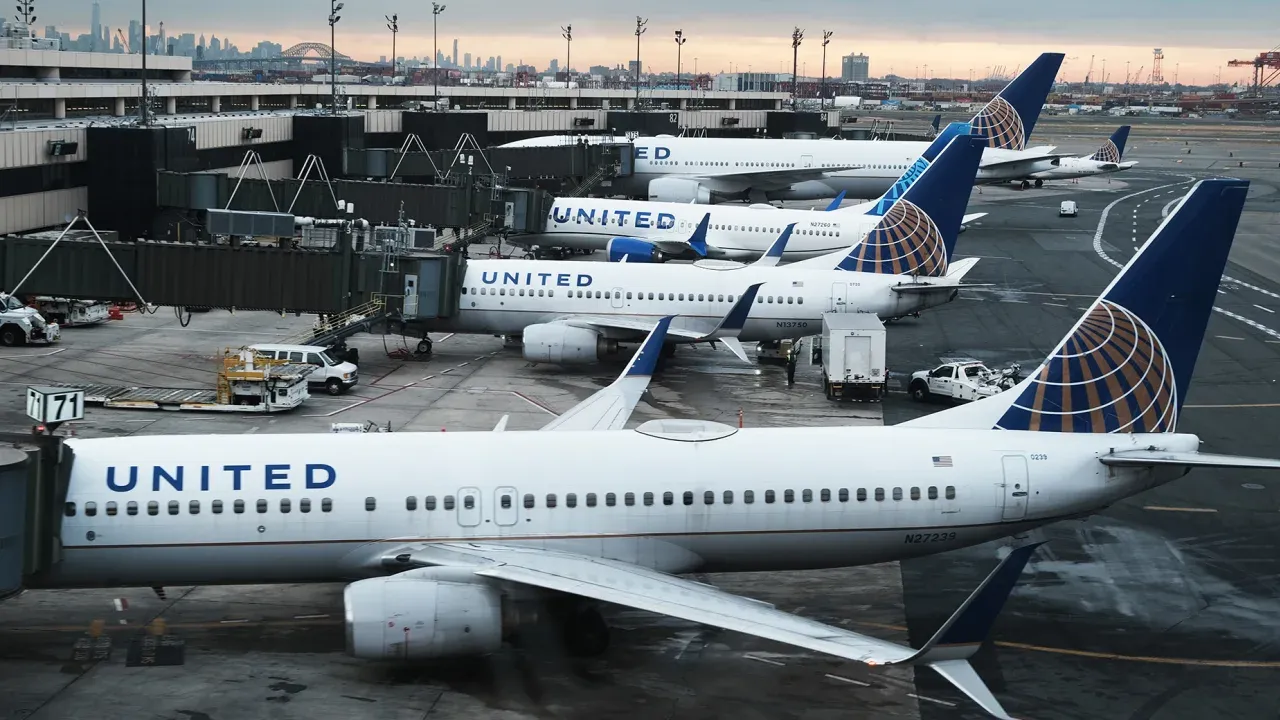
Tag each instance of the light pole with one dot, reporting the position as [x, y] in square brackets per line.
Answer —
[640, 23]
[566, 32]
[822, 94]
[796, 36]
[334, 17]
[142, 102]
[393, 24]
[27, 9]
[680, 41]
[436, 9]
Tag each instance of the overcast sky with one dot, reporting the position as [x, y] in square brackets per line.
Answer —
[901, 35]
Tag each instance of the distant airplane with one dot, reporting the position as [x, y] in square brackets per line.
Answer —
[579, 312]
[709, 170]
[1107, 159]
[735, 232]
[452, 538]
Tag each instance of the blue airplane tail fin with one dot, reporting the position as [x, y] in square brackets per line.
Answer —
[918, 167]
[1126, 365]
[1113, 149]
[918, 233]
[1008, 119]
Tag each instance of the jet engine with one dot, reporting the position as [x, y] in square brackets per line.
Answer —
[565, 344]
[423, 614]
[633, 250]
[681, 190]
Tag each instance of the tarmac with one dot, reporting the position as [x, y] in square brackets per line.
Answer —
[1162, 606]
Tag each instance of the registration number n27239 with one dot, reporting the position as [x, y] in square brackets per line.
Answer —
[913, 538]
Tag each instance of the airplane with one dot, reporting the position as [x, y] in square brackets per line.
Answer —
[1107, 159]
[711, 170]
[646, 230]
[445, 542]
[575, 312]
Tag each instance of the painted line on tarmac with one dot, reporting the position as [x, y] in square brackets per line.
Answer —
[932, 700]
[764, 660]
[844, 679]
[1235, 405]
[1097, 248]
[1162, 508]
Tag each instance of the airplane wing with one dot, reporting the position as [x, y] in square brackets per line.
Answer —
[1153, 458]
[726, 331]
[778, 179]
[633, 586]
[610, 408]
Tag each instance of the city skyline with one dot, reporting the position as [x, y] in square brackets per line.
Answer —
[735, 43]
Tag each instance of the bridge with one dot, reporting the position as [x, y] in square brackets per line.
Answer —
[295, 56]
[322, 51]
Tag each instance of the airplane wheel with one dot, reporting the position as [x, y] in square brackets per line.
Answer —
[1039, 183]
[586, 634]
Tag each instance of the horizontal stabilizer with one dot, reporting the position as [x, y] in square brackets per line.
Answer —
[1154, 458]
[971, 217]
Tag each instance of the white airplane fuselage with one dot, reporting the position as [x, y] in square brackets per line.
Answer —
[736, 232]
[1078, 167]
[506, 296]
[878, 163]
[314, 508]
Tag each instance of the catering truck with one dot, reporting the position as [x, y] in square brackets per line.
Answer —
[853, 357]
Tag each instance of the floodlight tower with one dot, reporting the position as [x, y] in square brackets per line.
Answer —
[1157, 69]
[797, 36]
[566, 32]
[334, 17]
[640, 23]
[393, 24]
[436, 9]
[680, 41]
[822, 94]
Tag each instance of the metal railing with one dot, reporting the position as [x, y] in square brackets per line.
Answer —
[327, 325]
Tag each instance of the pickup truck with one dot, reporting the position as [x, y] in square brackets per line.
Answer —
[962, 381]
[20, 324]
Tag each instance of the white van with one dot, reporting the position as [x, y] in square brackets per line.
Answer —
[337, 377]
[1068, 209]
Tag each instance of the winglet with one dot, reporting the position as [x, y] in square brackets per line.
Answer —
[779, 246]
[646, 358]
[835, 202]
[698, 240]
[733, 321]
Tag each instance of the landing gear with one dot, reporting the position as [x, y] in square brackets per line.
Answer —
[1039, 182]
[586, 634]
[1025, 184]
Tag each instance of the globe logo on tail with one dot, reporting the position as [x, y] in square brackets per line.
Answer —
[1001, 125]
[1108, 153]
[906, 241]
[1111, 375]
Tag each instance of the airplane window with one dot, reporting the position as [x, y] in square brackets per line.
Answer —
[111, 509]
[897, 493]
[628, 295]
[681, 296]
[825, 495]
[862, 495]
[700, 297]
[521, 292]
[748, 496]
[285, 505]
[730, 299]
[759, 299]
[469, 502]
[429, 502]
[216, 507]
[769, 496]
[153, 508]
[131, 508]
[800, 301]
[370, 504]
[606, 294]
[484, 291]
[662, 296]
[551, 500]
[502, 291]
[650, 296]
[844, 495]
[688, 497]
[326, 505]
[770, 300]
[629, 499]
[807, 495]
[915, 493]
[90, 509]
[728, 497]
[448, 502]
[708, 498]
[304, 505]
[411, 503]
[505, 502]
[551, 293]
[540, 292]
[648, 499]
[237, 507]
[790, 299]
[668, 498]
[571, 500]
[528, 501]
[879, 494]
[951, 492]
[174, 507]
[591, 499]
[719, 298]
[610, 499]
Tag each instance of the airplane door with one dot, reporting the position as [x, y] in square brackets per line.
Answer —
[617, 297]
[806, 161]
[505, 506]
[411, 296]
[839, 297]
[468, 507]
[1017, 485]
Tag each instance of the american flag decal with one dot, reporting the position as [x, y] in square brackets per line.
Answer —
[943, 461]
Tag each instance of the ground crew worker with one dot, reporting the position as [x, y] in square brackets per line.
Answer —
[791, 363]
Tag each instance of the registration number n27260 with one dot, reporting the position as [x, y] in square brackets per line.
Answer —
[930, 537]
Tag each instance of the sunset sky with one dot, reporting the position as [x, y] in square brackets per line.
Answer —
[903, 36]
